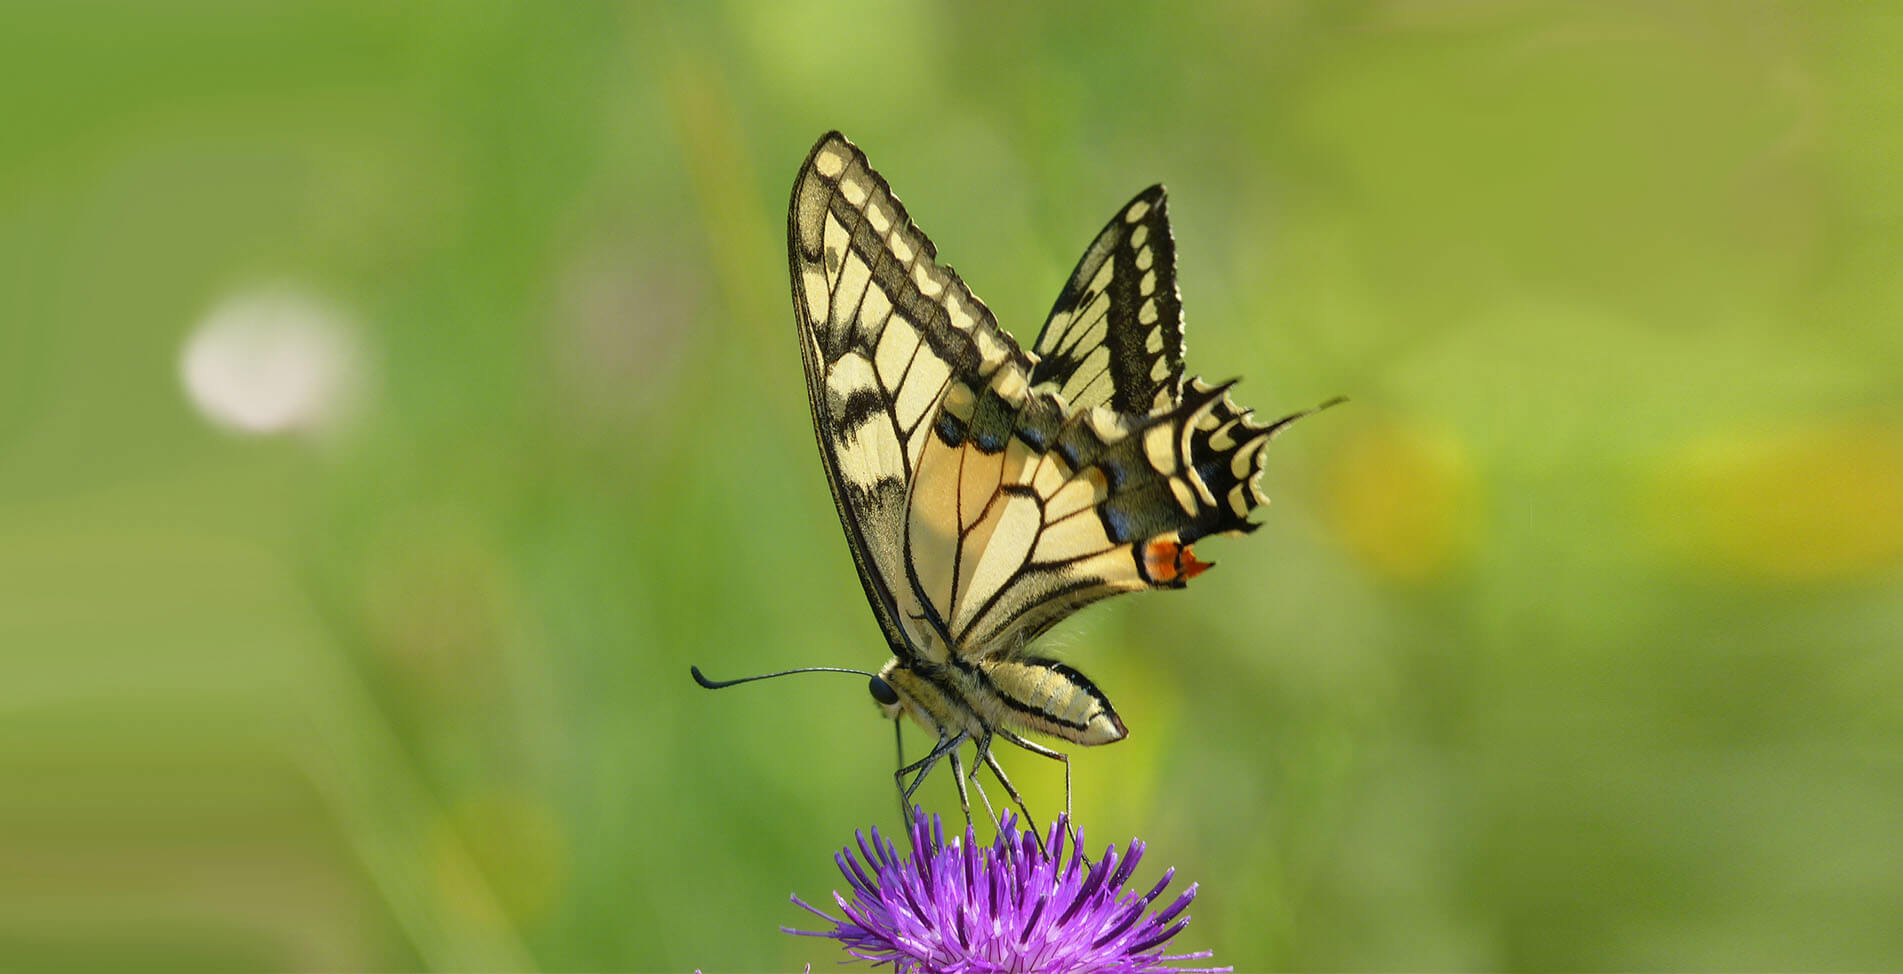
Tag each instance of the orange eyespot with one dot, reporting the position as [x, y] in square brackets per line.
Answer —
[1166, 561]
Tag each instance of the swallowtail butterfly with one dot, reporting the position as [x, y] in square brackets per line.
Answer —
[988, 492]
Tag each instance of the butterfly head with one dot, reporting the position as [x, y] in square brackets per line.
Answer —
[883, 694]
[901, 689]
[944, 699]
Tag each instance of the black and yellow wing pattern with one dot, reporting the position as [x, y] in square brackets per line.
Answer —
[1115, 334]
[986, 492]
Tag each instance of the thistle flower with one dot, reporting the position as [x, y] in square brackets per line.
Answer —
[957, 908]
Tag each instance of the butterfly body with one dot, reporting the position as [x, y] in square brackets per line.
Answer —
[1026, 693]
[987, 492]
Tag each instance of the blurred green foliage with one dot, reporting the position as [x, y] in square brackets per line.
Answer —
[1572, 643]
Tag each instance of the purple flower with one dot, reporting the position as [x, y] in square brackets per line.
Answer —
[1017, 906]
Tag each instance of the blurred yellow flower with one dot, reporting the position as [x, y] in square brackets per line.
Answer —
[1812, 503]
[1403, 498]
[499, 851]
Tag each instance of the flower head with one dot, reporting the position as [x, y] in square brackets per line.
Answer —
[1019, 905]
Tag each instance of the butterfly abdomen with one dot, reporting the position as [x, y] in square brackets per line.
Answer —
[1020, 694]
[1048, 697]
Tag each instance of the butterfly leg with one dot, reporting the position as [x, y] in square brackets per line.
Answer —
[996, 822]
[1036, 748]
[924, 767]
[898, 739]
[958, 775]
[991, 761]
[982, 755]
[985, 757]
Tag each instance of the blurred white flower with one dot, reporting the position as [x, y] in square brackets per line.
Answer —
[274, 360]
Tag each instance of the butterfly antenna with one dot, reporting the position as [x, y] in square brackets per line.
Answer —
[701, 678]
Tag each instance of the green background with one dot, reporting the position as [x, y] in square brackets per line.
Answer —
[1572, 643]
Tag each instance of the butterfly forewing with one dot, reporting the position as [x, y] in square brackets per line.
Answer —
[1115, 333]
[884, 331]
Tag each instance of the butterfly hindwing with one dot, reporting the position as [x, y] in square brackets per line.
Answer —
[1023, 512]
[1115, 333]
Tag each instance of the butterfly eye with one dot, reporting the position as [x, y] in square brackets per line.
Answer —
[883, 692]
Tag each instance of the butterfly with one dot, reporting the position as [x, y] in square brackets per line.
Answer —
[988, 492]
